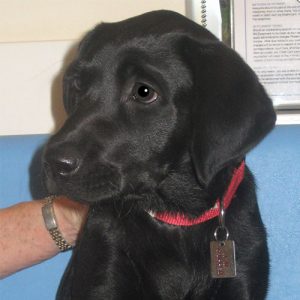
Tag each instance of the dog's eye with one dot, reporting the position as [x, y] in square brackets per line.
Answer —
[144, 93]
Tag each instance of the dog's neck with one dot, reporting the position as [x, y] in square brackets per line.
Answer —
[223, 202]
[181, 192]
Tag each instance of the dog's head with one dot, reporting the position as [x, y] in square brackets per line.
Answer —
[146, 94]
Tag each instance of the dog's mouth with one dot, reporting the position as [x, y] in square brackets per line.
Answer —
[90, 185]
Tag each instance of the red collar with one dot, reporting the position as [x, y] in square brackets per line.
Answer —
[180, 219]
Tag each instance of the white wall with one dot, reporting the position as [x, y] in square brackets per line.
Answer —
[30, 86]
[37, 38]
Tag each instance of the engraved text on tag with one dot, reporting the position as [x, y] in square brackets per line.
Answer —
[223, 263]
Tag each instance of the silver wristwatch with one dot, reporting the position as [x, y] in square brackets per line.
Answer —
[52, 227]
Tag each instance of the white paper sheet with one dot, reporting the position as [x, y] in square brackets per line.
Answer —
[267, 35]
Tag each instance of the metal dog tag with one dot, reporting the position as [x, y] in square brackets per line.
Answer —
[223, 264]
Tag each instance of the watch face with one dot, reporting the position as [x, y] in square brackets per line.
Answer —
[49, 217]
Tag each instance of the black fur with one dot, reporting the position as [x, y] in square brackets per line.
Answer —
[177, 153]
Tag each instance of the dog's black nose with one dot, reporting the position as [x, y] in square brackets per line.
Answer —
[62, 161]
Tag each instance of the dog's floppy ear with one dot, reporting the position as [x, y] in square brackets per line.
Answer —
[231, 110]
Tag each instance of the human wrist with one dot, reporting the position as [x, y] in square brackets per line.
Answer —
[70, 216]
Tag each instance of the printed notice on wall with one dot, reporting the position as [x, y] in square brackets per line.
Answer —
[267, 35]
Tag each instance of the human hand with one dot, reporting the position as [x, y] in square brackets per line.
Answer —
[71, 216]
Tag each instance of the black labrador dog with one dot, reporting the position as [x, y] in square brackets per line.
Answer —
[161, 115]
